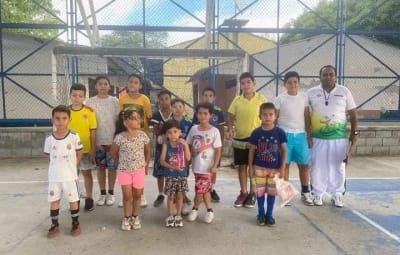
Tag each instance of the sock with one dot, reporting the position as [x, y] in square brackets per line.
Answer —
[194, 208]
[75, 216]
[260, 203]
[304, 189]
[111, 191]
[210, 210]
[270, 205]
[103, 192]
[54, 216]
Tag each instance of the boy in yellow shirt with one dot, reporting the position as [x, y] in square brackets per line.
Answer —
[83, 122]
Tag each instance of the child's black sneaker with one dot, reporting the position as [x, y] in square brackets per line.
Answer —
[250, 200]
[269, 221]
[214, 196]
[89, 204]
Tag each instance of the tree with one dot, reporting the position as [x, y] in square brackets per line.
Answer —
[360, 15]
[27, 11]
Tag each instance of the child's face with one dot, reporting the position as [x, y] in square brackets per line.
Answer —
[268, 117]
[292, 85]
[203, 115]
[208, 97]
[133, 121]
[77, 97]
[178, 109]
[60, 120]
[247, 85]
[164, 101]
[102, 86]
[133, 85]
[173, 134]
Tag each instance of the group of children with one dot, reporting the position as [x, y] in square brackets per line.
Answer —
[117, 139]
[113, 134]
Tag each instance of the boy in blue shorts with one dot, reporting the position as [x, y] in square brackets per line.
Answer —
[218, 121]
[267, 157]
[292, 108]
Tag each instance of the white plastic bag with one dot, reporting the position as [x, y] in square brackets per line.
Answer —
[286, 191]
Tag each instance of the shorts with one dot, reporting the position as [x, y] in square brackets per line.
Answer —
[70, 190]
[85, 163]
[176, 184]
[265, 183]
[134, 178]
[104, 159]
[158, 170]
[240, 151]
[297, 148]
[203, 183]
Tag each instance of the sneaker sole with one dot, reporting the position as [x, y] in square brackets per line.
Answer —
[333, 203]
[238, 205]
[307, 203]
[249, 206]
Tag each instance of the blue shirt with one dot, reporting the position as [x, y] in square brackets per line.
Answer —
[185, 125]
[217, 117]
[268, 143]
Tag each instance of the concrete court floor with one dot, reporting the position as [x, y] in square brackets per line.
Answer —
[368, 224]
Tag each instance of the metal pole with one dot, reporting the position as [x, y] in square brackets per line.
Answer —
[340, 42]
[72, 38]
[277, 51]
[2, 74]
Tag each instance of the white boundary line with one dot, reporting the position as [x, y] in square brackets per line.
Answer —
[376, 225]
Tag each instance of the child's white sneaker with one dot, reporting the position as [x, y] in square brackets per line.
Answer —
[193, 215]
[110, 200]
[170, 221]
[143, 201]
[209, 217]
[126, 225]
[101, 201]
[178, 221]
[135, 222]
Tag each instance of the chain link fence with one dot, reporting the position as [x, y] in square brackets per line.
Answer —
[279, 36]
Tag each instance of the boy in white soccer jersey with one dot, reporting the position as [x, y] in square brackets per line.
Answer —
[65, 151]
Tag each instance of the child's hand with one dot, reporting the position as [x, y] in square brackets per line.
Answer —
[213, 170]
[182, 141]
[92, 155]
[146, 170]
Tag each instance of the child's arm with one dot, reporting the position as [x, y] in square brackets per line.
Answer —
[114, 151]
[92, 152]
[186, 147]
[307, 120]
[79, 155]
[147, 156]
[283, 159]
[229, 132]
[217, 158]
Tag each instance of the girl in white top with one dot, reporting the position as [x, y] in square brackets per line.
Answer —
[107, 109]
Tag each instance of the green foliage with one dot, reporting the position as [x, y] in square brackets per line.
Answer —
[128, 39]
[27, 11]
[359, 15]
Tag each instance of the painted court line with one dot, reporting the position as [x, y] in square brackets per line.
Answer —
[376, 225]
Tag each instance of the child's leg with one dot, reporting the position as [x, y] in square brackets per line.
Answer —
[304, 174]
[179, 203]
[270, 206]
[170, 204]
[101, 178]
[88, 179]
[160, 184]
[207, 200]
[112, 176]
[137, 194]
[127, 199]
[74, 207]
[243, 178]
[285, 174]
[54, 212]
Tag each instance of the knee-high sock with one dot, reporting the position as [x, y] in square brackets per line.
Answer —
[270, 205]
[260, 203]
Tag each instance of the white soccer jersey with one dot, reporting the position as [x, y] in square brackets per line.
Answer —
[291, 111]
[62, 153]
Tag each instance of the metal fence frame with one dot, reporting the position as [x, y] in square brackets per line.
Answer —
[74, 25]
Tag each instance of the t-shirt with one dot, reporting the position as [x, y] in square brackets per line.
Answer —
[291, 112]
[175, 156]
[158, 119]
[131, 151]
[107, 110]
[246, 112]
[141, 104]
[82, 122]
[62, 154]
[185, 126]
[217, 117]
[203, 145]
[268, 143]
[328, 111]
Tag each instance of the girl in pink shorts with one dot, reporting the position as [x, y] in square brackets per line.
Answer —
[131, 149]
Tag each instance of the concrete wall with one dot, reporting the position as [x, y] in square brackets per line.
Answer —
[375, 139]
